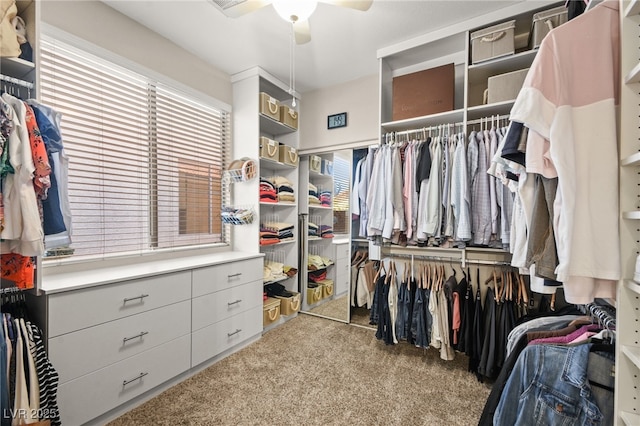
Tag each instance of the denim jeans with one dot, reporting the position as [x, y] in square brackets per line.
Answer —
[549, 386]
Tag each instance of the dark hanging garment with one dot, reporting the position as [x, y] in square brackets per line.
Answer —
[449, 287]
[373, 314]
[506, 324]
[403, 311]
[575, 8]
[477, 335]
[418, 323]
[486, 368]
[384, 331]
[424, 164]
[411, 294]
[461, 290]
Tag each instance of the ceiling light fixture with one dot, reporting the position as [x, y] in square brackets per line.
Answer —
[295, 10]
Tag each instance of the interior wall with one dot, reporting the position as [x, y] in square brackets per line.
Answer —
[101, 25]
[358, 98]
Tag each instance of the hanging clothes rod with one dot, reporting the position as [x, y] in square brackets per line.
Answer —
[16, 81]
[486, 119]
[602, 315]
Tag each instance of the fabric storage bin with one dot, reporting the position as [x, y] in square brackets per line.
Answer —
[314, 295]
[288, 116]
[545, 21]
[288, 155]
[327, 288]
[269, 149]
[269, 106]
[327, 167]
[493, 42]
[315, 163]
[505, 87]
[270, 311]
[289, 305]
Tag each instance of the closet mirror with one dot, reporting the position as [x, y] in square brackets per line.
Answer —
[325, 234]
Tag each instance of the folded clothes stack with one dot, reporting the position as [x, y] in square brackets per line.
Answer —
[313, 230]
[268, 236]
[325, 198]
[284, 230]
[284, 189]
[313, 195]
[268, 192]
[326, 231]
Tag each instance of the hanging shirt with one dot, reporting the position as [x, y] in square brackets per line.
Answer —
[569, 97]
[460, 196]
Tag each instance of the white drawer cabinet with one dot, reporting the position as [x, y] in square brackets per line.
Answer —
[89, 396]
[219, 277]
[214, 307]
[75, 310]
[81, 352]
[216, 338]
[342, 268]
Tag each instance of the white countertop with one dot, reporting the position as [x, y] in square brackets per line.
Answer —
[56, 279]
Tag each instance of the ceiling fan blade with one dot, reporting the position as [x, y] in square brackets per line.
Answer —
[302, 32]
[351, 4]
[237, 8]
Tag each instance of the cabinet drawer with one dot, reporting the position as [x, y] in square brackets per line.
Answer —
[341, 283]
[82, 352]
[214, 307]
[75, 310]
[342, 251]
[343, 267]
[94, 394]
[216, 338]
[219, 277]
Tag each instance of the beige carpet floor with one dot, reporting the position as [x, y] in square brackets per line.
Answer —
[313, 371]
[337, 309]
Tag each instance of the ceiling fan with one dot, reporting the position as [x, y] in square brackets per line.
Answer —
[296, 12]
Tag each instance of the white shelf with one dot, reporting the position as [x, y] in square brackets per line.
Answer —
[632, 10]
[633, 286]
[633, 76]
[314, 238]
[632, 160]
[484, 70]
[273, 127]
[320, 174]
[278, 244]
[275, 165]
[633, 354]
[311, 206]
[282, 278]
[631, 215]
[279, 204]
[630, 419]
[16, 67]
[497, 108]
[454, 116]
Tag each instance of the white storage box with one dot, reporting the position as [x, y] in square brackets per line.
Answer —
[493, 42]
[315, 163]
[327, 167]
[505, 87]
[269, 149]
[545, 21]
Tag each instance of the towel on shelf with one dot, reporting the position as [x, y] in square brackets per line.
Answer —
[326, 231]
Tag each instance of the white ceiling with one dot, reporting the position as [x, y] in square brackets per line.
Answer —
[343, 43]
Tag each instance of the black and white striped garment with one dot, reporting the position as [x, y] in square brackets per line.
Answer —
[47, 377]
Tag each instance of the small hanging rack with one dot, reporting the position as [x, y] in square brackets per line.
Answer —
[15, 84]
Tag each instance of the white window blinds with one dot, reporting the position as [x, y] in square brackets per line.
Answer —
[144, 159]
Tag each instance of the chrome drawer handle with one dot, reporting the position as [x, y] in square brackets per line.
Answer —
[234, 333]
[129, 299]
[234, 275]
[234, 303]
[126, 382]
[137, 336]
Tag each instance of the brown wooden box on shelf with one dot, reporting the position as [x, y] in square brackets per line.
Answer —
[424, 92]
[269, 106]
[289, 116]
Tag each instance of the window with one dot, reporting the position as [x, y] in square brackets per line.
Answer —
[342, 193]
[145, 160]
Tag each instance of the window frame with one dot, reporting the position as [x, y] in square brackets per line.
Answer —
[54, 34]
